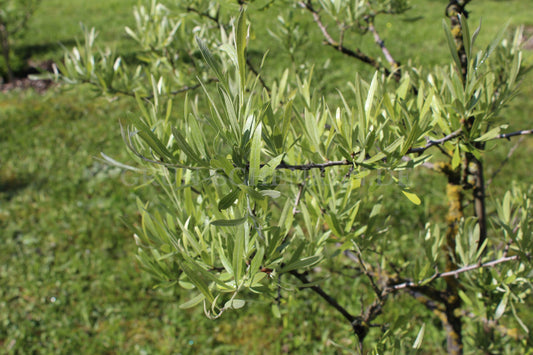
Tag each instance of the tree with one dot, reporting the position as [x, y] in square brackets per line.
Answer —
[262, 178]
[14, 16]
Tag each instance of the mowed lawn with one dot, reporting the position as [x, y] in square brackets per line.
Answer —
[69, 280]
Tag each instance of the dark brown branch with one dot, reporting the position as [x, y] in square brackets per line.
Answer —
[428, 145]
[514, 134]
[431, 143]
[360, 324]
[311, 166]
[330, 300]
[257, 74]
[215, 18]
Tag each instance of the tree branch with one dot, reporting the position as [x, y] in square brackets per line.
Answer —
[454, 273]
[360, 324]
[330, 300]
[422, 149]
[513, 134]
[504, 161]
[215, 19]
[393, 63]
[375, 288]
[357, 53]
[431, 143]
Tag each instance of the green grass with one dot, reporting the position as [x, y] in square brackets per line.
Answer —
[69, 281]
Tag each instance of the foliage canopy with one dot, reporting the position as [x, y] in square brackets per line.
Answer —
[263, 179]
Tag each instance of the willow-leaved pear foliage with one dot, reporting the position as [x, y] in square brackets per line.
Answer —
[262, 180]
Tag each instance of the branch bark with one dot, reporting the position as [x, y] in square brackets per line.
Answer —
[452, 273]
[337, 45]
[360, 324]
[388, 56]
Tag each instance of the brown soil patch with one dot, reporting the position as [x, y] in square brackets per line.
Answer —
[23, 83]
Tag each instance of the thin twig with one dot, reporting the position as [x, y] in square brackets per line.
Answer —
[257, 74]
[205, 14]
[377, 291]
[298, 197]
[311, 166]
[393, 63]
[504, 161]
[455, 273]
[356, 53]
[431, 143]
[513, 134]
[360, 324]
[330, 300]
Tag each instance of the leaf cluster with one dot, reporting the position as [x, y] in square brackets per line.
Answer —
[261, 183]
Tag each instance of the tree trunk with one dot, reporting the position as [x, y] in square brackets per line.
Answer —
[451, 321]
[4, 43]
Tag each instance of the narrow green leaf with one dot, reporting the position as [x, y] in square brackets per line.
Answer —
[231, 113]
[371, 94]
[210, 60]
[193, 301]
[224, 259]
[451, 45]
[419, 337]
[466, 37]
[228, 200]
[228, 222]
[456, 160]
[270, 193]
[151, 139]
[252, 192]
[197, 279]
[269, 168]
[202, 274]
[255, 155]
[412, 197]
[275, 311]
[500, 310]
[302, 263]
[257, 261]
[238, 254]
[518, 319]
[333, 223]
[118, 164]
[241, 46]
[185, 147]
[235, 304]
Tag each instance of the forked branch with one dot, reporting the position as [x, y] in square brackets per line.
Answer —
[337, 45]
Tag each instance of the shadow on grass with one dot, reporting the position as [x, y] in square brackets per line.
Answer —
[23, 62]
[10, 185]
